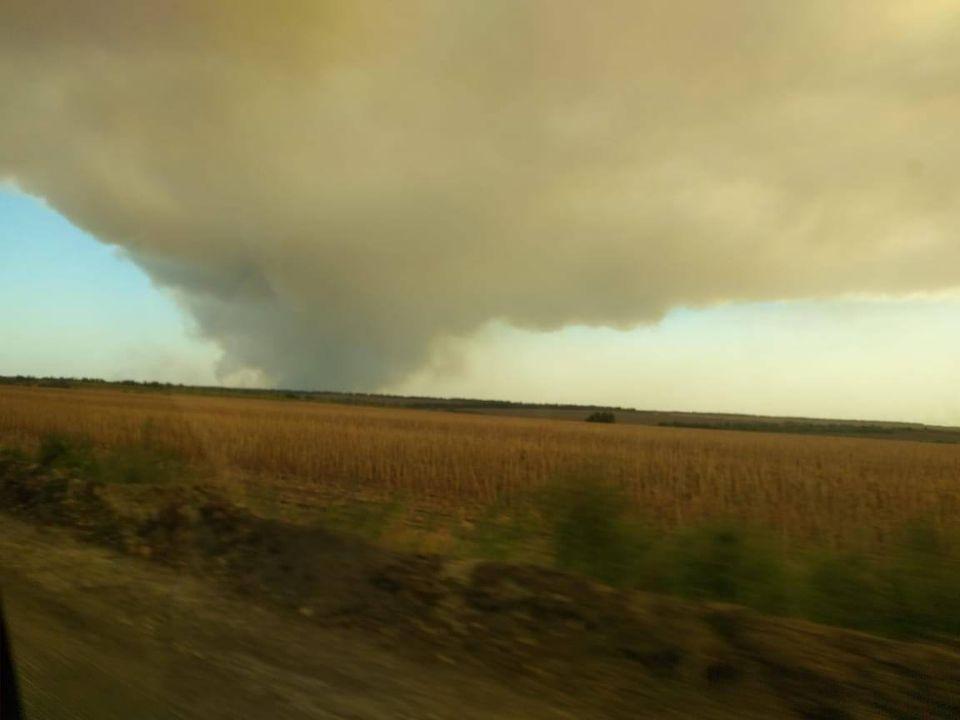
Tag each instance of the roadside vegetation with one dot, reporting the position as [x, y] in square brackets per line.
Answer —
[581, 522]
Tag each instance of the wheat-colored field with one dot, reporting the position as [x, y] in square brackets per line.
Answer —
[834, 490]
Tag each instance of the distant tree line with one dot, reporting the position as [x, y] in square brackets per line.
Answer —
[789, 427]
[347, 397]
[855, 429]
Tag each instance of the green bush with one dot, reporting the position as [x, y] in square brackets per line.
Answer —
[139, 464]
[144, 461]
[590, 532]
[843, 590]
[71, 452]
[723, 561]
[601, 416]
[911, 591]
[503, 532]
[924, 582]
[592, 535]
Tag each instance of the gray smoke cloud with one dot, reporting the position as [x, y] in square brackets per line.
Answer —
[333, 189]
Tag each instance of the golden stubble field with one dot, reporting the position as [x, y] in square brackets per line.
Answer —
[835, 491]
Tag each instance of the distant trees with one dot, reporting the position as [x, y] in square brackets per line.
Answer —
[601, 416]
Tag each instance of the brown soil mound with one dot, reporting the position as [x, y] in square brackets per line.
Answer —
[531, 624]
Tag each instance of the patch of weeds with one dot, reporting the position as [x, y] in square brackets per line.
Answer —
[368, 520]
[140, 464]
[844, 590]
[591, 534]
[912, 591]
[503, 532]
[723, 561]
[923, 582]
[72, 452]
[143, 462]
[12, 462]
[13, 455]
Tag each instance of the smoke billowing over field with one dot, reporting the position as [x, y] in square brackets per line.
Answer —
[334, 189]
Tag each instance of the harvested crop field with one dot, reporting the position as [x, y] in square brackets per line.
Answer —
[837, 491]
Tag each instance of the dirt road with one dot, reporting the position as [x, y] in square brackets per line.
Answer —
[97, 635]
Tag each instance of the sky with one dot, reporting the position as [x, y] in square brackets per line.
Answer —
[76, 307]
[747, 206]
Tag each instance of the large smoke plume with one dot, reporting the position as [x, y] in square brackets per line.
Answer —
[333, 188]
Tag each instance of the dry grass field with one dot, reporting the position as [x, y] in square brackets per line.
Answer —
[837, 491]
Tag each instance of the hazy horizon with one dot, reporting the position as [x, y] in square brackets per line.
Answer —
[480, 399]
